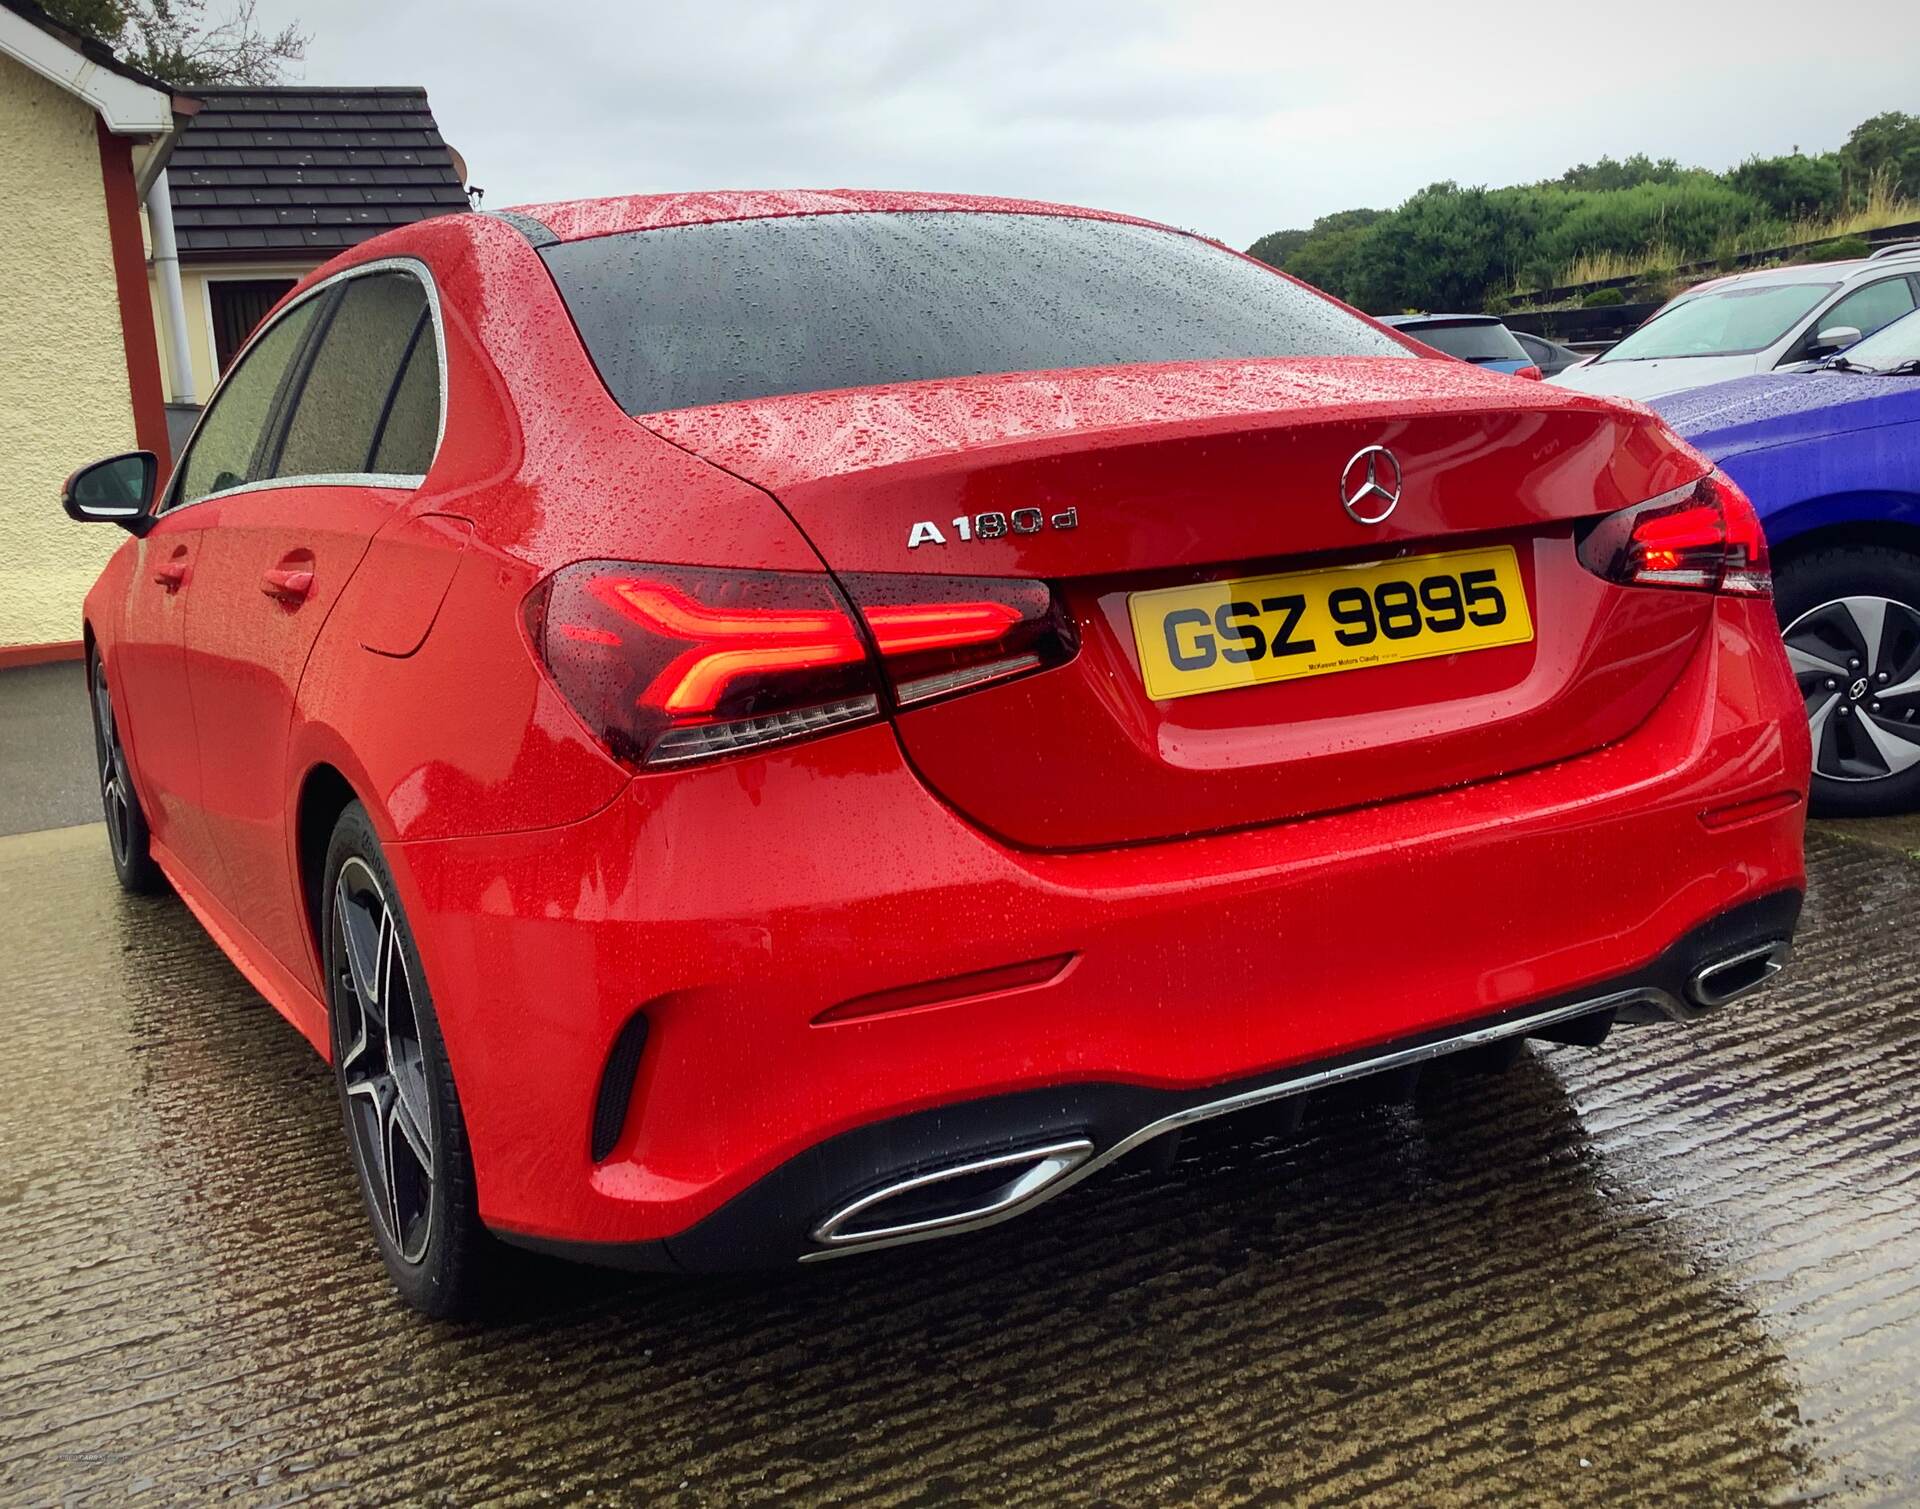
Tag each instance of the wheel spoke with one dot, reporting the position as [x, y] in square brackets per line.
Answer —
[1899, 751]
[1806, 663]
[1817, 724]
[382, 1062]
[368, 1103]
[1869, 615]
[408, 1123]
[363, 936]
[409, 1186]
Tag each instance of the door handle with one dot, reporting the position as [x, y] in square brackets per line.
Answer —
[288, 585]
[172, 575]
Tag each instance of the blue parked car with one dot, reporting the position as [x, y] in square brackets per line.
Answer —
[1830, 456]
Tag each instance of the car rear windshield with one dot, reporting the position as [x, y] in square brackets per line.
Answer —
[1470, 340]
[1728, 322]
[705, 314]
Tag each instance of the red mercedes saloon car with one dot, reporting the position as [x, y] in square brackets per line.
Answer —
[756, 727]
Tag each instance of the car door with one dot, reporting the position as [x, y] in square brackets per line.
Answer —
[149, 670]
[1867, 309]
[352, 441]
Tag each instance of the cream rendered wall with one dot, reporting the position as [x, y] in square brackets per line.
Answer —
[193, 295]
[64, 397]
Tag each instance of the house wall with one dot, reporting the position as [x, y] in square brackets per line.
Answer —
[194, 297]
[64, 393]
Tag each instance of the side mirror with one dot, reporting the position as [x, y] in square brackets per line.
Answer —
[1834, 338]
[118, 490]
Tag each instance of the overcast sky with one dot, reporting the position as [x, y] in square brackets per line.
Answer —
[1229, 119]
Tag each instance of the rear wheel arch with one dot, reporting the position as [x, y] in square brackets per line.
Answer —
[1852, 534]
[324, 794]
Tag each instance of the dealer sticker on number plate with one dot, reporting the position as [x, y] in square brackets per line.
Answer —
[1216, 635]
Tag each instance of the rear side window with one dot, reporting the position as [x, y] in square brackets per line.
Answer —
[404, 443]
[1473, 342]
[703, 314]
[351, 384]
[226, 447]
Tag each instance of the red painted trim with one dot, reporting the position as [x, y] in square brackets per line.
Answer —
[284, 993]
[12, 656]
[136, 307]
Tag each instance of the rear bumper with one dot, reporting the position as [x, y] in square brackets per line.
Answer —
[967, 1166]
[735, 906]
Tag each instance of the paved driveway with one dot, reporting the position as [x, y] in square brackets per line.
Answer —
[1684, 1266]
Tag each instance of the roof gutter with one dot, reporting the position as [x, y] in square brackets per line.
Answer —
[185, 108]
[128, 108]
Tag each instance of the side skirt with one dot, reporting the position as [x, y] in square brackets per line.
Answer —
[263, 972]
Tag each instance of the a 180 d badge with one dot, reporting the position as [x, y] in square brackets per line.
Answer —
[990, 526]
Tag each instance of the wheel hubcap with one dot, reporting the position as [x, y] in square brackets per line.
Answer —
[382, 1065]
[1857, 662]
[115, 789]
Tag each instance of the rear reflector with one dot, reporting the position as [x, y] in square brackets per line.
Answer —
[1704, 537]
[953, 989]
[670, 664]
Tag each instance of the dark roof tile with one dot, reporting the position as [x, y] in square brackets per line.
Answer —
[305, 171]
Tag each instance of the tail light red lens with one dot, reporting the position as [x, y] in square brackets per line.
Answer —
[1704, 537]
[1530, 371]
[670, 663]
[941, 635]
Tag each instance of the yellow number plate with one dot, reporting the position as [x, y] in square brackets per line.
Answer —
[1310, 623]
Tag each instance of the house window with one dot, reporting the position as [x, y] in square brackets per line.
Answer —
[238, 304]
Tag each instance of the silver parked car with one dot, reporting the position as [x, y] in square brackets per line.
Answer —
[1755, 322]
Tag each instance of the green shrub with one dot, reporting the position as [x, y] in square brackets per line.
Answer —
[1844, 248]
[1792, 188]
[1601, 298]
[1451, 246]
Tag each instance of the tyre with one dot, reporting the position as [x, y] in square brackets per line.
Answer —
[127, 837]
[404, 1127]
[1851, 619]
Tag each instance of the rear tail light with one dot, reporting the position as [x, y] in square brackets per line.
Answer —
[1704, 537]
[672, 663]
[1529, 371]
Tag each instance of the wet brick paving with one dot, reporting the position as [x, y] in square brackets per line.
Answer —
[1681, 1267]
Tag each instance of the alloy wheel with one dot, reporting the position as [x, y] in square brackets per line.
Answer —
[116, 788]
[382, 1064]
[1857, 662]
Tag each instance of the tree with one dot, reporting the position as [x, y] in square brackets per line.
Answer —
[1276, 246]
[1884, 146]
[1607, 174]
[1328, 261]
[175, 40]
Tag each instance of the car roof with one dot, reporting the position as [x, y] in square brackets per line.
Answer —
[1817, 272]
[578, 219]
[1402, 321]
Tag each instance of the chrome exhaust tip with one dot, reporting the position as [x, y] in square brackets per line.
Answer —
[1738, 974]
[977, 1190]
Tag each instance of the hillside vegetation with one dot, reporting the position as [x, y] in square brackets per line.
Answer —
[1450, 247]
